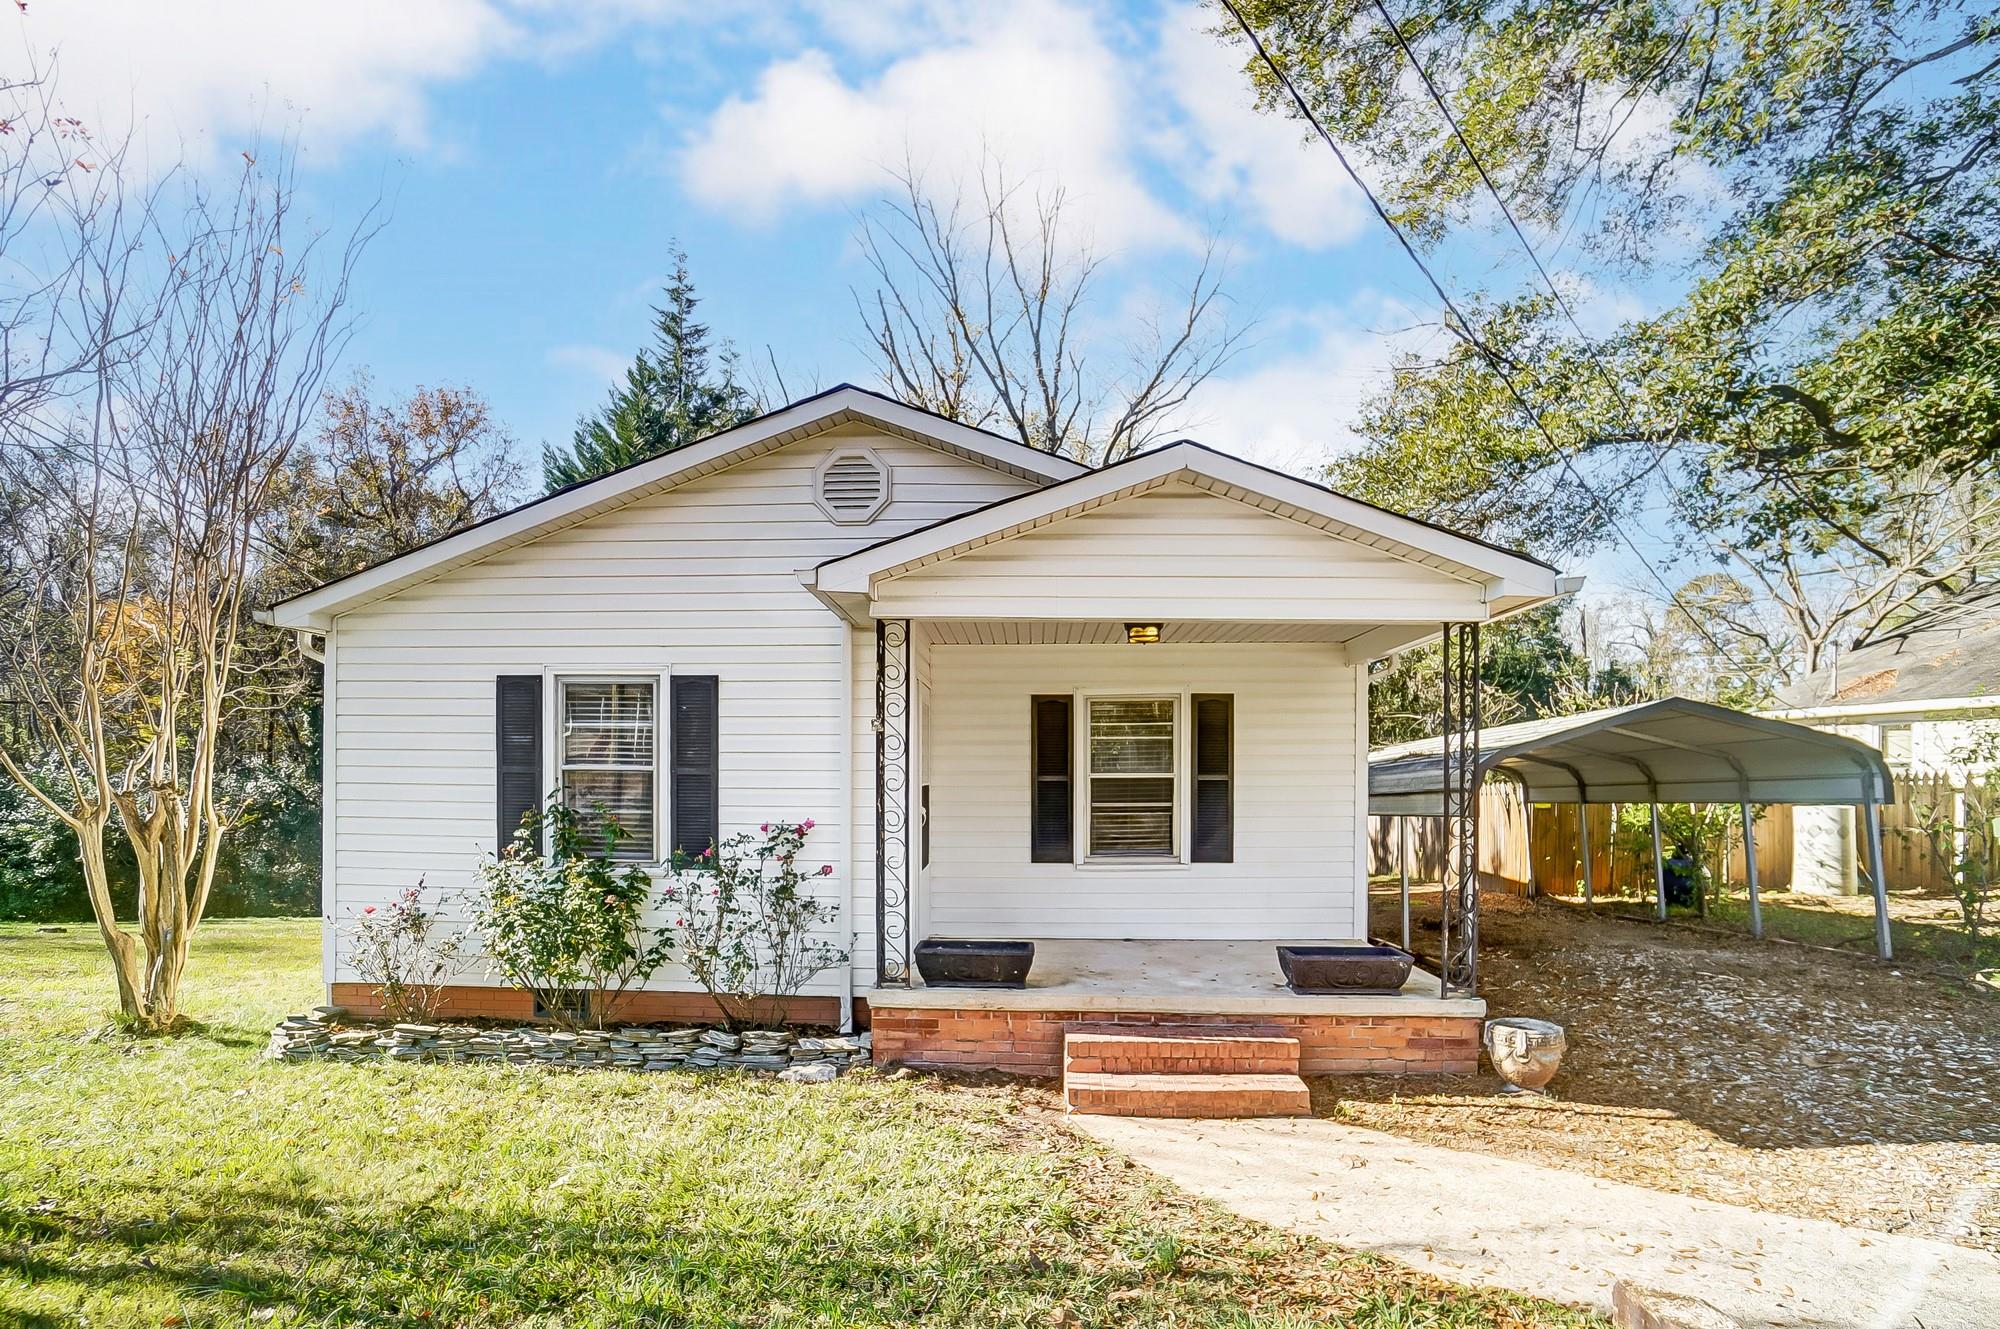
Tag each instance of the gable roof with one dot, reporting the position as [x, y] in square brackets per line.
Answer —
[843, 404]
[1508, 575]
[1950, 654]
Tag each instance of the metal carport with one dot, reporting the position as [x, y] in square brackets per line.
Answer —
[1671, 751]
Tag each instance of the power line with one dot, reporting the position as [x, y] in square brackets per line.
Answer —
[1721, 555]
[1465, 326]
[1396, 31]
[1527, 247]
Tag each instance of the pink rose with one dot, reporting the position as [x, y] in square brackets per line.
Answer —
[807, 824]
[826, 869]
[764, 827]
[369, 910]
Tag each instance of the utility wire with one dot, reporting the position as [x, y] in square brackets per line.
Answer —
[1396, 31]
[1465, 326]
[1722, 555]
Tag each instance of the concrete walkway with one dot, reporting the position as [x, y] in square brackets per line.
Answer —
[1475, 1218]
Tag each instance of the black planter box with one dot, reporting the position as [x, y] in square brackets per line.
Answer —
[975, 964]
[1345, 970]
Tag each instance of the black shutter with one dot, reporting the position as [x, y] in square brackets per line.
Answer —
[1214, 769]
[517, 731]
[697, 762]
[1050, 837]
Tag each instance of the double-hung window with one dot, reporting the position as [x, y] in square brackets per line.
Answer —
[1132, 764]
[608, 744]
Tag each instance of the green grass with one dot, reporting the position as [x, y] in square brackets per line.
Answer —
[186, 1181]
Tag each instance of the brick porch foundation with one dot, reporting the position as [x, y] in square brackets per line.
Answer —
[465, 1001]
[1030, 1042]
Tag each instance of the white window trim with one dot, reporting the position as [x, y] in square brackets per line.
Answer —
[1177, 861]
[553, 678]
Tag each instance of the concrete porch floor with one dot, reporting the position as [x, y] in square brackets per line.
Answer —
[1180, 977]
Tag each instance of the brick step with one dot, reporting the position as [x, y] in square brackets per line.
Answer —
[1100, 1093]
[1213, 1050]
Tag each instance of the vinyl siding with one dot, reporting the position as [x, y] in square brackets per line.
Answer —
[1297, 871]
[699, 579]
[1179, 552]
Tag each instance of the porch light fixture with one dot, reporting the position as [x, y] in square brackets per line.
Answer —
[1142, 634]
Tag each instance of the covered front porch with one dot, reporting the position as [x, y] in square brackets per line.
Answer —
[1126, 718]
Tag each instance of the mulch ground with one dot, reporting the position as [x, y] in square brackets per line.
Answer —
[1775, 1077]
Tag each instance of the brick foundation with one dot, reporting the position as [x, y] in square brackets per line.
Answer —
[644, 1007]
[1030, 1042]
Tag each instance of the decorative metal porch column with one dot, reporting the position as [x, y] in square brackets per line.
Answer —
[1458, 941]
[892, 802]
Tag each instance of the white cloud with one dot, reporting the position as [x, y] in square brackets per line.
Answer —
[1034, 89]
[1296, 408]
[1236, 154]
[596, 362]
[228, 68]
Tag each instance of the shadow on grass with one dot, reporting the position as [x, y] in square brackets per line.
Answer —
[242, 1251]
[439, 1263]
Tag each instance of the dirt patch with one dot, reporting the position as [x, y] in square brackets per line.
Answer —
[1776, 1077]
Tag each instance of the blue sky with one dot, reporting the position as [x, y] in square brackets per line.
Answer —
[537, 158]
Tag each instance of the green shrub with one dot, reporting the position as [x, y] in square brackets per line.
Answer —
[270, 861]
[567, 925]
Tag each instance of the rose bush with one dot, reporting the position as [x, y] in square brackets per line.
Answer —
[568, 925]
[397, 949]
[744, 922]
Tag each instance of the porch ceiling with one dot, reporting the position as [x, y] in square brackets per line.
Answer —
[1069, 632]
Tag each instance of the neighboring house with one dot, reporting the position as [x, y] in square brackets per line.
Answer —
[1122, 712]
[1927, 695]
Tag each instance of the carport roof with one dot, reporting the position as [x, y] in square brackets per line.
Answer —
[1671, 751]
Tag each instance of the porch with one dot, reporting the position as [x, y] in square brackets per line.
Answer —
[1172, 986]
[1127, 717]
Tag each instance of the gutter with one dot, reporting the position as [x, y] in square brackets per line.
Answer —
[1566, 586]
[1861, 713]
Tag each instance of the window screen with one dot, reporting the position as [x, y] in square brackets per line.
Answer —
[608, 760]
[1131, 746]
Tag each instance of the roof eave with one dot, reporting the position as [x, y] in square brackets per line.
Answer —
[316, 608]
[1516, 581]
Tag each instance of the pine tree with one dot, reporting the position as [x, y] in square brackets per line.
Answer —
[670, 397]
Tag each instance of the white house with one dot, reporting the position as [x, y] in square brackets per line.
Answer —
[1925, 694]
[1118, 711]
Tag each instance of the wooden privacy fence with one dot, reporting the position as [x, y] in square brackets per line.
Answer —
[1532, 849]
[1503, 843]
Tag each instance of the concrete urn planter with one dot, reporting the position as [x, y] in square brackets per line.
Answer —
[1526, 1053]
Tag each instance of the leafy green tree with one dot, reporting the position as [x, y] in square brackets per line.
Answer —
[1821, 403]
[1527, 670]
[671, 397]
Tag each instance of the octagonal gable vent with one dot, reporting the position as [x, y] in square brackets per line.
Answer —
[852, 486]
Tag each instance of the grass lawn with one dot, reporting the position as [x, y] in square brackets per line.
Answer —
[188, 1182]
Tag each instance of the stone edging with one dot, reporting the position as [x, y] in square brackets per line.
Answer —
[324, 1034]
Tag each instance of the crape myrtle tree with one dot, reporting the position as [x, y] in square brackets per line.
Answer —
[192, 330]
[676, 391]
[1820, 401]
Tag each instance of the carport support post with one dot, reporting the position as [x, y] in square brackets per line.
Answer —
[1882, 946]
[1659, 868]
[1583, 845]
[1403, 866]
[1750, 873]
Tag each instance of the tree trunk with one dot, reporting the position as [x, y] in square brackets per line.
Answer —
[125, 965]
